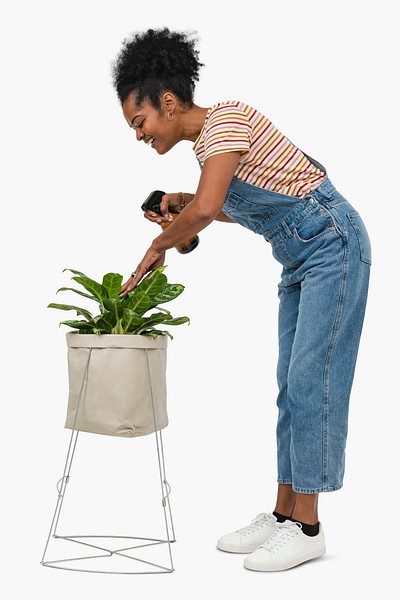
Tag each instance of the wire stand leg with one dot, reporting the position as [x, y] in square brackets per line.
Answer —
[165, 487]
[62, 483]
[61, 488]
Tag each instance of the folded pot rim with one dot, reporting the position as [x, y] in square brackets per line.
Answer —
[107, 340]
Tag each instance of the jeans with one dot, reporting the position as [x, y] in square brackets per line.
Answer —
[323, 247]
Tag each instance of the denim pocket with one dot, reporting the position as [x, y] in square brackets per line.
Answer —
[314, 225]
[362, 236]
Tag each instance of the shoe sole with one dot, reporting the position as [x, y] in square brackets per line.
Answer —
[287, 565]
[237, 550]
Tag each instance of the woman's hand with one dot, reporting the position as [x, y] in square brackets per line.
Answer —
[151, 261]
[174, 202]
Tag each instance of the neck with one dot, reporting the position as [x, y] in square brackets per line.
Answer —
[192, 122]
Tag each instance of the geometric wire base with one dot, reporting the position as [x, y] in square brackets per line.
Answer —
[116, 553]
[119, 552]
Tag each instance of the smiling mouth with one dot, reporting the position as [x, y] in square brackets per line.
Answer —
[150, 141]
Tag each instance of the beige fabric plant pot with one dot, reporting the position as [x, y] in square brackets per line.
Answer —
[117, 377]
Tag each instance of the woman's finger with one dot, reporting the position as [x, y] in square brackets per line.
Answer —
[164, 207]
[152, 216]
[156, 218]
[130, 284]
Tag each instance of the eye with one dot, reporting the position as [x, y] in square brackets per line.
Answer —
[138, 124]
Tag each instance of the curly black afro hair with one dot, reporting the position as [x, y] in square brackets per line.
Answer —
[156, 61]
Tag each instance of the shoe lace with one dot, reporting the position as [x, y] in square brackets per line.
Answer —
[257, 523]
[284, 534]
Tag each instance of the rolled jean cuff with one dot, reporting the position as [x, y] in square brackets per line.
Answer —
[315, 490]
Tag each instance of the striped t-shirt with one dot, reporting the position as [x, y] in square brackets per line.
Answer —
[268, 159]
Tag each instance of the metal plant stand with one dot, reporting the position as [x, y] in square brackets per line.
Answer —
[108, 546]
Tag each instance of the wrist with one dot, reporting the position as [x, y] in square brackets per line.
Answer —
[184, 199]
[156, 246]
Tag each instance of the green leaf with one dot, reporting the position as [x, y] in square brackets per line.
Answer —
[93, 287]
[75, 272]
[170, 292]
[138, 301]
[105, 322]
[154, 284]
[112, 282]
[164, 310]
[79, 311]
[148, 326]
[131, 321]
[67, 289]
[178, 321]
[113, 312]
[108, 304]
[82, 325]
[116, 307]
[154, 333]
[154, 319]
[118, 312]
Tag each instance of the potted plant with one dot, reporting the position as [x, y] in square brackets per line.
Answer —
[117, 358]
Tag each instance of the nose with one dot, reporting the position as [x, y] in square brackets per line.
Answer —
[139, 135]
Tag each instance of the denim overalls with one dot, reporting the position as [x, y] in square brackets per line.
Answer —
[324, 249]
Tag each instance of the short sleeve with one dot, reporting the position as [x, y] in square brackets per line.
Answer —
[228, 129]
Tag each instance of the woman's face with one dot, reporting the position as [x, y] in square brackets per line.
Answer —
[154, 127]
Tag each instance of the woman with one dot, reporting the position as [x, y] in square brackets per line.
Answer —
[253, 175]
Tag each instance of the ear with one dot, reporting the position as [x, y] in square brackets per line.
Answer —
[169, 102]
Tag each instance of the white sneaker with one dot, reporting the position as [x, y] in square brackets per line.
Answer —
[286, 548]
[250, 537]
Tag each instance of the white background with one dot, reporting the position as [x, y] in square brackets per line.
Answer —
[73, 178]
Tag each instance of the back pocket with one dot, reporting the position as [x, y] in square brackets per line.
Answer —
[362, 236]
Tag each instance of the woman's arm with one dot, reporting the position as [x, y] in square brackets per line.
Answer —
[176, 202]
[207, 203]
[206, 206]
